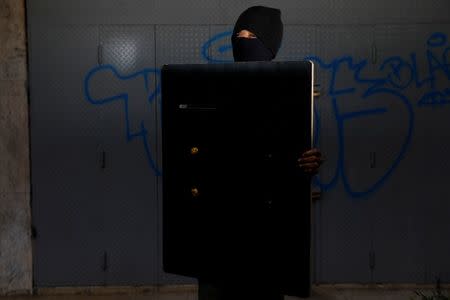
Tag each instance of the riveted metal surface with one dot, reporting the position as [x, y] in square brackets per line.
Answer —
[218, 47]
[67, 204]
[412, 218]
[130, 144]
[226, 11]
[180, 44]
[184, 12]
[298, 42]
[376, 197]
[129, 48]
[340, 48]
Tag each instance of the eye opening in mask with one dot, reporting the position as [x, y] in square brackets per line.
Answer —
[246, 34]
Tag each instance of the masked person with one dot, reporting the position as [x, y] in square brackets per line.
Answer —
[256, 36]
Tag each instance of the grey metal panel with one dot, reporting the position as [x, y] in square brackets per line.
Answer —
[344, 222]
[130, 134]
[226, 11]
[399, 236]
[188, 12]
[398, 213]
[219, 45]
[431, 12]
[89, 12]
[180, 44]
[129, 48]
[402, 41]
[341, 49]
[298, 42]
[69, 134]
[175, 44]
[408, 218]
[68, 207]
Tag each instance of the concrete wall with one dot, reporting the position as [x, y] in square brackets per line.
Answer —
[15, 241]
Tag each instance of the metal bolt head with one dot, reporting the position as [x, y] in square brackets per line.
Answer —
[195, 192]
[194, 150]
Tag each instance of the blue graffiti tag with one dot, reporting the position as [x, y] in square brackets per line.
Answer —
[209, 47]
[142, 133]
[397, 75]
[374, 89]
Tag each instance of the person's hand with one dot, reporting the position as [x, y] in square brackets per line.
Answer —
[316, 195]
[310, 161]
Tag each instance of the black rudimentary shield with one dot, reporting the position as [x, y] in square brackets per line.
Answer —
[235, 202]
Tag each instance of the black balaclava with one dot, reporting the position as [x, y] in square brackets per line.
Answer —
[265, 23]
